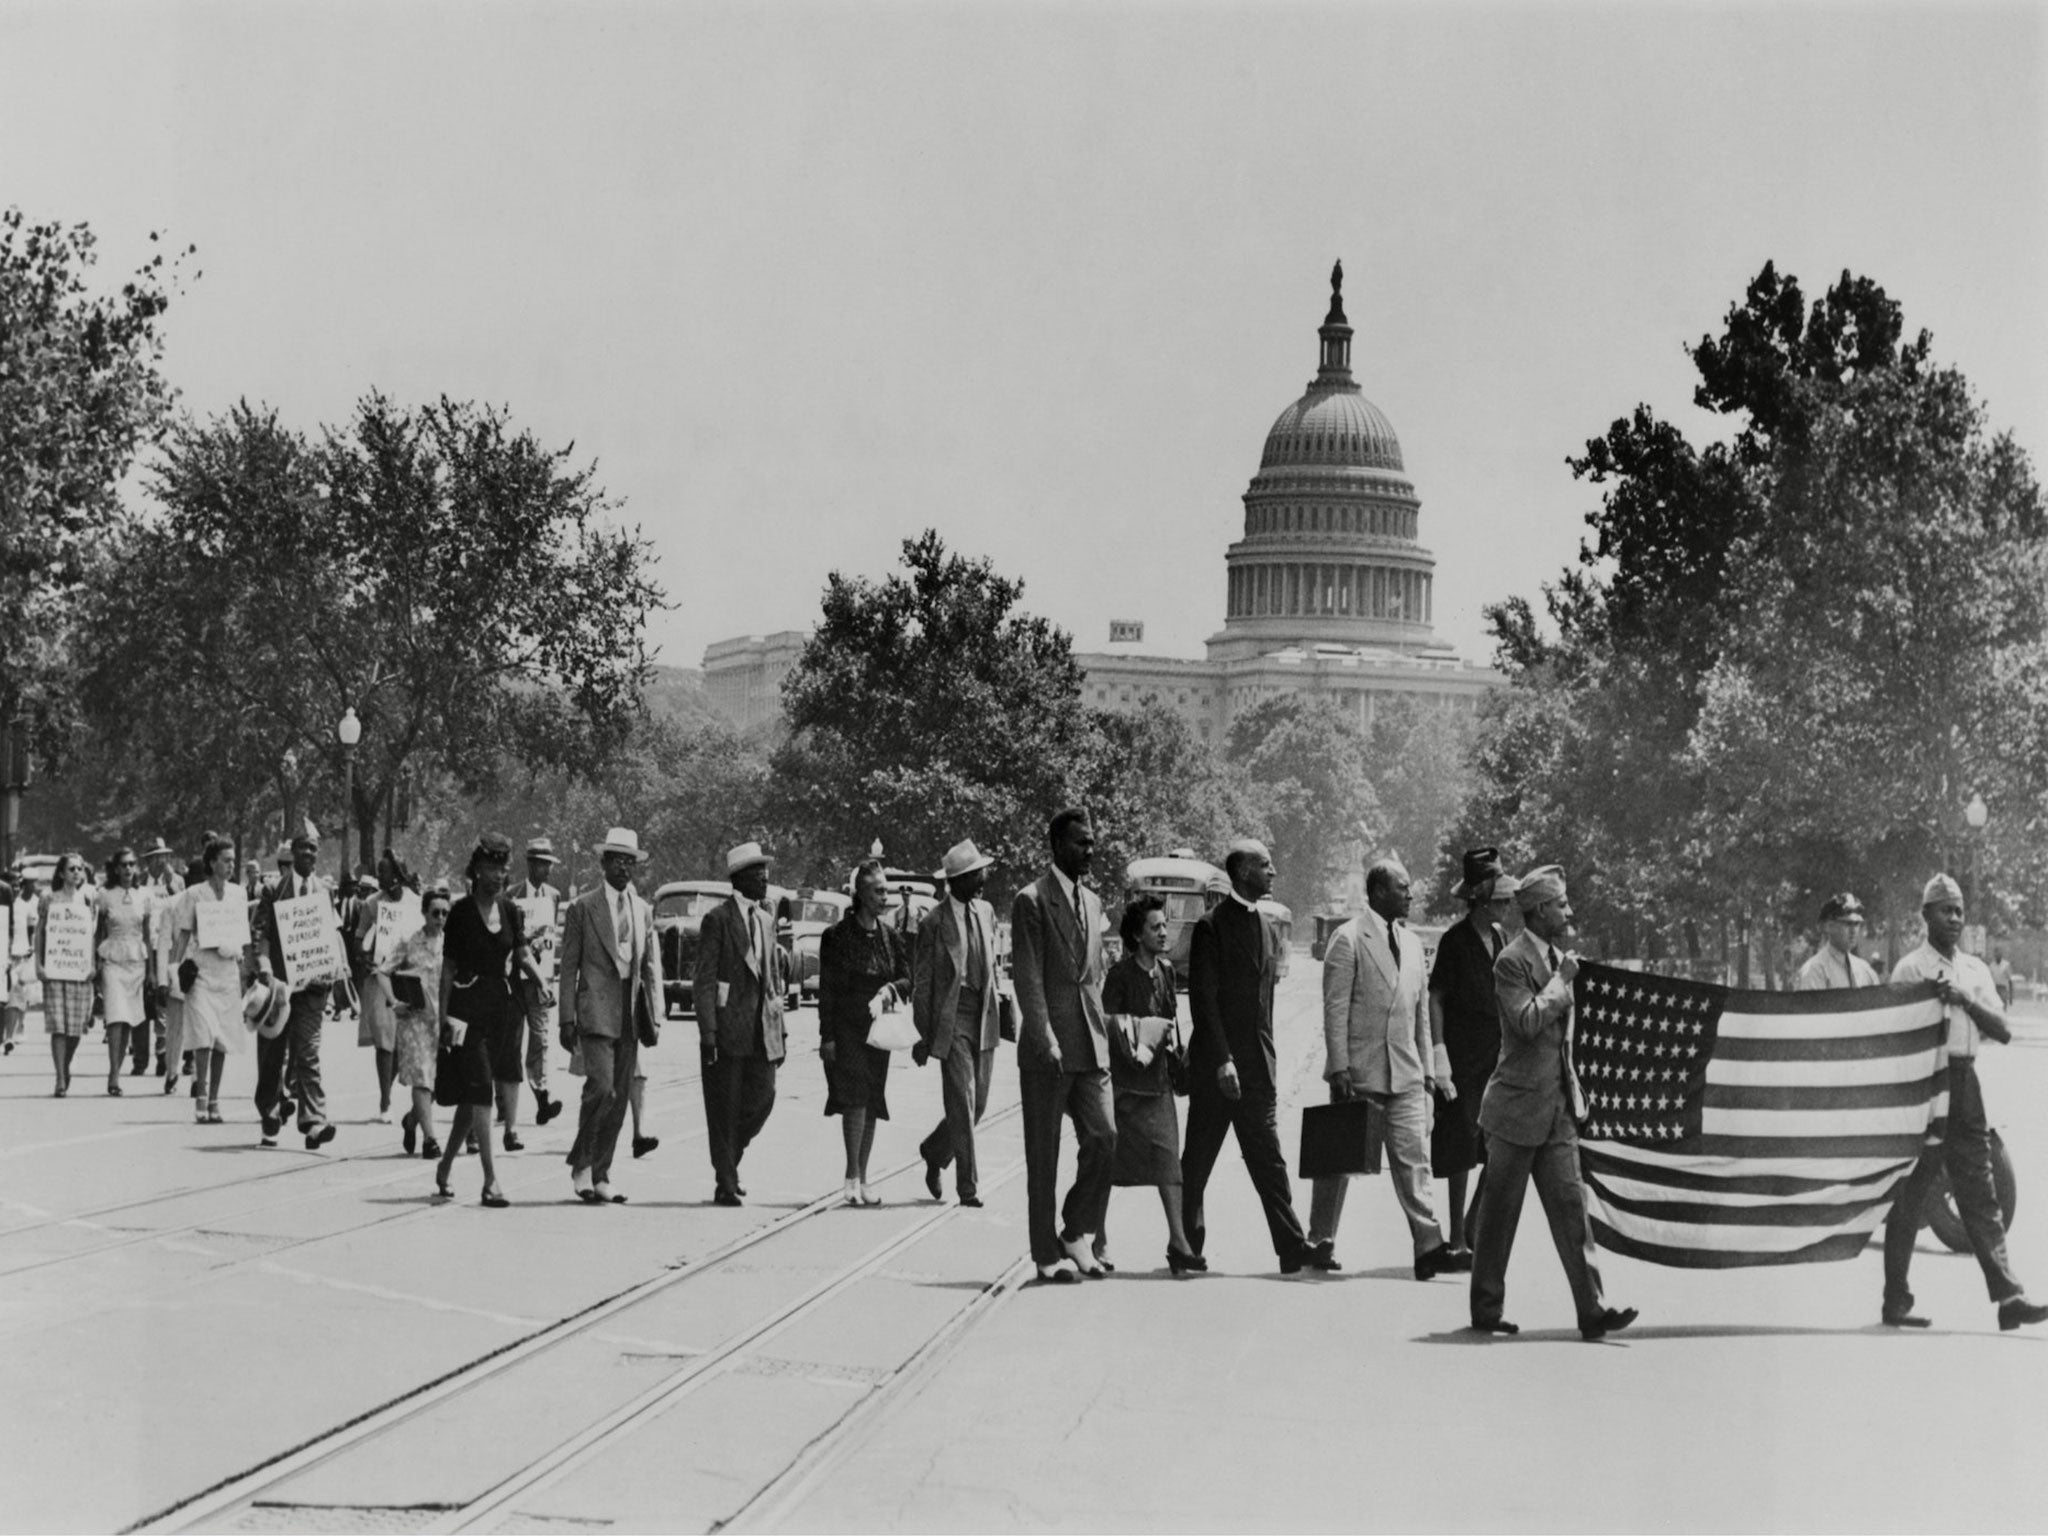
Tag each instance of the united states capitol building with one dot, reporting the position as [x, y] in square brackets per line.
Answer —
[1328, 591]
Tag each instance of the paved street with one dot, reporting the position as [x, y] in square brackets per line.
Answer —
[203, 1334]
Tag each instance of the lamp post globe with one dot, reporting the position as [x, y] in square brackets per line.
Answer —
[348, 732]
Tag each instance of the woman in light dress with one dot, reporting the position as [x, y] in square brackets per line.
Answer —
[67, 1005]
[416, 1030]
[211, 978]
[377, 1023]
[126, 958]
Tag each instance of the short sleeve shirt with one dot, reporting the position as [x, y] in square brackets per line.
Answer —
[1971, 976]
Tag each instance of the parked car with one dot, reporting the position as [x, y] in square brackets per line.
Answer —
[810, 914]
[679, 909]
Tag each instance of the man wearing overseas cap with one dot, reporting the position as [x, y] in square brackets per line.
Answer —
[955, 999]
[1836, 964]
[1970, 996]
[1530, 1114]
[738, 984]
[540, 903]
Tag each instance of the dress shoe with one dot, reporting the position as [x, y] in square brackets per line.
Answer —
[495, 1199]
[1062, 1273]
[726, 1197]
[1437, 1261]
[1903, 1317]
[590, 1197]
[1322, 1256]
[1081, 1252]
[409, 1131]
[740, 1190]
[545, 1109]
[850, 1193]
[271, 1126]
[431, 1148]
[318, 1138]
[931, 1179]
[286, 1108]
[171, 1084]
[269, 1139]
[1186, 1263]
[1610, 1320]
[642, 1145]
[512, 1142]
[605, 1194]
[972, 1202]
[2017, 1312]
[137, 1069]
[868, 1196]
[1497, 1325]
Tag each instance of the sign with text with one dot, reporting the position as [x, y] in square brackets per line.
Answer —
[67, 942]
[307, 938]
[222, 926]
[538, 914]
[397, 921]
[1121, 630]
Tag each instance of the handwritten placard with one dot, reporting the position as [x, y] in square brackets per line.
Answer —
[307, 937]
[398, 919]
[223, 925]
[67, 942]
[538, 915]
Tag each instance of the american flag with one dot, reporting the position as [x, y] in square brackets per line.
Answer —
[1727, 1128]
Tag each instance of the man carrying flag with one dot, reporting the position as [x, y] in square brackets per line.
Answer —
[1969, 998]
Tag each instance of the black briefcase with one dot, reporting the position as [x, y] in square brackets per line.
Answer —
[1340, 1138]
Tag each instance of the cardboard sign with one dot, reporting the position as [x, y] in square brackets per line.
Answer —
[397, 921]
[308, 939]
[222, 926]
[67, 942]
[538, 914]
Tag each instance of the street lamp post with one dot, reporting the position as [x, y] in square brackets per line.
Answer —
[1978, 815]
[348, 733]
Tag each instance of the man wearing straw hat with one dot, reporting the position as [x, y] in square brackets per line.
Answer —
[738, 985]
[955, 1001]
[611, 1000]
[292, 1059]
[541, 906]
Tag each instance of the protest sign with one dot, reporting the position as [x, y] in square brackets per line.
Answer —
[223, 926]
[67, 941]
[308, 939]
[398, 919]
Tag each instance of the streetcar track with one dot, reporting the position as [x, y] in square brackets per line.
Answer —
[204, 1509]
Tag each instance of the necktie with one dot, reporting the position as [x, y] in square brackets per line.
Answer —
[1571, 1076]
[622, 924]
[1394, 946]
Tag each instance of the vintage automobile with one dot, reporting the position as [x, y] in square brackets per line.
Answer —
[810, 914]
[679, 909]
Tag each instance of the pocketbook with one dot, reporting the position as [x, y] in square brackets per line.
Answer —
[408, 990]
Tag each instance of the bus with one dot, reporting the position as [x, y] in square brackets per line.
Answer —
[1188, 885]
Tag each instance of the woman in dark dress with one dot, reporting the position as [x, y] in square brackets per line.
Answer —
[481, 951]
[863, 968]
[1140, 988]
[1465, 1015]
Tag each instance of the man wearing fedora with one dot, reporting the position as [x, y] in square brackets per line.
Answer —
[1464, 1015]
[292, 1059]
[1836, 964]
[540, 904]
[738, 985]
[1972, 1014]
[611, 1005]
[1530, 1115]
[955, 1001]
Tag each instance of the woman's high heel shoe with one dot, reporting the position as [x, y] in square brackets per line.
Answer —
[431, 1151]
[409, 1132]
[441, 1183]
[495, 1199]
[1186, 1263]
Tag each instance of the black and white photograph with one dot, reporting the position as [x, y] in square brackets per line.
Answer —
[1023, 766]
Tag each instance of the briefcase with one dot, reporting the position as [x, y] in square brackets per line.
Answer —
[1340, 1138]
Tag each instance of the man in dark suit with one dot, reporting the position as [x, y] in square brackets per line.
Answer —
[611, 998]
[955, 998]
[1063, 1052]
[1234, 960]
[1530, 1115]
[294, 1053]
[738, 983]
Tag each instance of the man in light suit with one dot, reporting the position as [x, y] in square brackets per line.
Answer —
[1380, 1048]
[738, 983]
[1063, 1052]
[611, 1005]
[1530, 1115]
[1235, 956]
[955, 999]
[291, 1059]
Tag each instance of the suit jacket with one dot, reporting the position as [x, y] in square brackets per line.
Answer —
[266, 920]
[1234, 960]
[751, 1007]
[1376, 1029]
[596, 1000]
[1529, 1084]
[1058, 970]
[937, 969]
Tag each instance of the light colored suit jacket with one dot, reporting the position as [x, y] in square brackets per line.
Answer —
[596, 1000]
[1058, 970]
[1376, 1029]
[1528, 1086]
[937, 968]
[727, 958]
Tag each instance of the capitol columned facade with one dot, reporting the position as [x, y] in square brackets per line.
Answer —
[1328, 590]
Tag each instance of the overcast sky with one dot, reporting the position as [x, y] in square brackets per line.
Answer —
[805, 280]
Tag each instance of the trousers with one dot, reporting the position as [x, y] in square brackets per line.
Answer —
[607, 1078]
[965, 1076]
[1966, 1153]
[292, 1059]
[540, 1024]
[1048, 1098]
[1404, 1121]
[739, 1093]
[1255, 1116]
[1555, 1168]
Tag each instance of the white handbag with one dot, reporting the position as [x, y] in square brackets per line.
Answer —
[893, 1030]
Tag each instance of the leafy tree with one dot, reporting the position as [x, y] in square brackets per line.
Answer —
[925, 708]
[1420, 756]
[1306, 758]
[81, 394]
[437, 570]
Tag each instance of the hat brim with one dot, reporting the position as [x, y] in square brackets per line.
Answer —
[982, 862]
[638, 854]
[766, 861]
[545, 858]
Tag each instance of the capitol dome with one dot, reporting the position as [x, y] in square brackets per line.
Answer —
[1329, 553]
